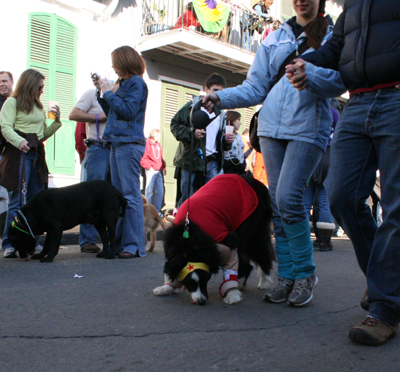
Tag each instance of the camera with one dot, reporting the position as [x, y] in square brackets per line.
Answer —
[95, 76]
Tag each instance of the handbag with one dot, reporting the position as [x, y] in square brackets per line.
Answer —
[254, 139]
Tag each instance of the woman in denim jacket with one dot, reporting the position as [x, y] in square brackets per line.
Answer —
[294, 128]
[124, 130]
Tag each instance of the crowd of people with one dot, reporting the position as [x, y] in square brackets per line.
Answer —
[306, 148]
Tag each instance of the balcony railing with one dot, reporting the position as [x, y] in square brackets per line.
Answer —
[244, 28]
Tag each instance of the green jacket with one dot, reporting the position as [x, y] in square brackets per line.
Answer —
[182, 131]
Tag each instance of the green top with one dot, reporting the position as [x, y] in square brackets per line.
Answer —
[34, 122]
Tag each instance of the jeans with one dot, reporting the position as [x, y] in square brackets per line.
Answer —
[186, 193]
[313, 192]
[367, 138]
[96, 167]
[289, 165]
[125, 172]
[154, 188]
[212, 170]
[18, 197]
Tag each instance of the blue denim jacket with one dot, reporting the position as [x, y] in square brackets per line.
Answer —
[125, 120]
[286, 113]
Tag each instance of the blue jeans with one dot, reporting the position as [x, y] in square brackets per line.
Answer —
[18, 198]
[367, 138]
[212, 170]
[154, 188]
[125, 172]
[186, 193]
[289, 165]
[313, 192]
[96, 167]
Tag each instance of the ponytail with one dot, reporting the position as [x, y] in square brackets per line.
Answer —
[316, 29]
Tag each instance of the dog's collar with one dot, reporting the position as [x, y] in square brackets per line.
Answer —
[191, 266]
[25, 222]
[14, 224]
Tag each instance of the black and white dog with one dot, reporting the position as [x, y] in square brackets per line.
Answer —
[59, 209]
[193, 254]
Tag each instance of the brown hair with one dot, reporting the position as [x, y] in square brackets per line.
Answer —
[26, 91]
[8, 73]
[128, 60]
[233, 116]
[316, 29]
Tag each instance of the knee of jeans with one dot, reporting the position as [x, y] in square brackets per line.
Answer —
[339, 199]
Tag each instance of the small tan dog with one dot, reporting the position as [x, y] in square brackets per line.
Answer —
[151, 222]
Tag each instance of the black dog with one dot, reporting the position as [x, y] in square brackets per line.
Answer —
[193, 255]
[56, 210]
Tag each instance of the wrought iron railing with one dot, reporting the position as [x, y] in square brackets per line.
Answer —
[244, 28]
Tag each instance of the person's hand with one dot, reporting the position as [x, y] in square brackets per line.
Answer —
[102, 117]
[209, 100]
[229, 138]
[297, 74]
[106, 85]
[56, 112]
[24, 147]
[165, 171]
[199, 133]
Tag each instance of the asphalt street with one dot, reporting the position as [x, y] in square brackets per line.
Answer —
[83, 314]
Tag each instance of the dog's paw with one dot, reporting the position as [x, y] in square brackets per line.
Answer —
[110, 255]
[101, 254]
[46, 259]
[164, 290]
[233, 297]
[36, 256]
[265, 282]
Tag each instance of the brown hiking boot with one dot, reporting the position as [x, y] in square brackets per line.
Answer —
[364, 303]
[372, 332]
[90, 248]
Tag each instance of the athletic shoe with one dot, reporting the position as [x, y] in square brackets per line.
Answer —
[302, 292]
[281, 292]
[372, 332]
[10, 253]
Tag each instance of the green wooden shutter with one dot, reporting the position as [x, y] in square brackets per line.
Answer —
[173, 97]
[52, 51]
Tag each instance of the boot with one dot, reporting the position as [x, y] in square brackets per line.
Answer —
[325, 230]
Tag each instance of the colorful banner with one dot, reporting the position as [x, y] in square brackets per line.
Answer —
[212, 14]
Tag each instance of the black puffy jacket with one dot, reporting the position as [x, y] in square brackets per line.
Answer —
[365, 46]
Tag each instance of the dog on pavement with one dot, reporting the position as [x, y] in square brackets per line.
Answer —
[58, 209]
[151, 222]
[228, 226]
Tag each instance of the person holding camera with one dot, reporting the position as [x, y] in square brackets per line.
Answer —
[96, 165]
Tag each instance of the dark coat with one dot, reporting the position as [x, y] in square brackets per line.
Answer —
[365, 44]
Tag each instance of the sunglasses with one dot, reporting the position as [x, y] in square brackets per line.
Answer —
[41, 87]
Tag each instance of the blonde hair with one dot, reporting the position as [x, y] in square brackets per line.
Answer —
[154, 132]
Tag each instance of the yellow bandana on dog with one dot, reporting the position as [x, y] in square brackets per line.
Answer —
[191, 266]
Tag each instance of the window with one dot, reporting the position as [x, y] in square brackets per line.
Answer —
[52, 51]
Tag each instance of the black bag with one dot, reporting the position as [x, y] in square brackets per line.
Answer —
[254, 139]
[3, 142]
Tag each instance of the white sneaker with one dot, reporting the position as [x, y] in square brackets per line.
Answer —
[10, 253]
[38, 248]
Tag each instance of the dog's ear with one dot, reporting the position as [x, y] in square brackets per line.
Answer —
[174, 266]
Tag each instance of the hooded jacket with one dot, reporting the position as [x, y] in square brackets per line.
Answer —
[287, 113]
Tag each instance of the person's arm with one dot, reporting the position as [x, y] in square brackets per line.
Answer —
[180, 126]
[328, 55]
[82, 116]
[146, 156]
[129, 105]
[258, 10]
[54, 127]
[260, 79]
